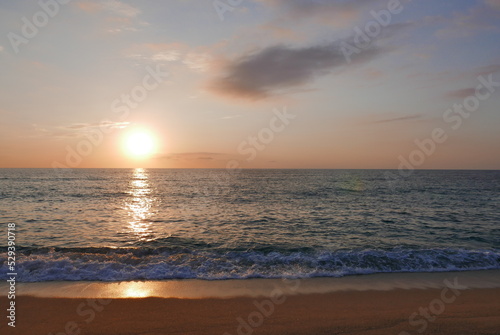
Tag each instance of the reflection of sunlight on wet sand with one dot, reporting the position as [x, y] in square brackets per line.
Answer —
[139, 207]
[198, 289]
[135, 290]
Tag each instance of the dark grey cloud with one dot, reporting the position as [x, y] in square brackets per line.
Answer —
[277, 68]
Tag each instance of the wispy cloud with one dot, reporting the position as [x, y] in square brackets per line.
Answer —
[488, 69]
[462, 93]
[104, 124]
[198, 62]
[190, 156]
[493, 3]
[330, 12]
[156, 52]
[114, 7]
[120, 8]
[480, 18]
[398, 119]
[76, 130]
[196, 59]
[166, 56]
[441, 78]
[229, 117]
[119, 15]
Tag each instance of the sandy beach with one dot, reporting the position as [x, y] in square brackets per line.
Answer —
[446, 310]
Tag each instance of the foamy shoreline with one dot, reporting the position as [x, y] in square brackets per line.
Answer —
[198, 289]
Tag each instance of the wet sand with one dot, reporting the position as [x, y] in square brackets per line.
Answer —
[398, 311]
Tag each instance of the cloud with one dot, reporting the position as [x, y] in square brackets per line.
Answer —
[475, 20]
[104, 124]
[112, 6]
[462, 93]
[493, 3]
[90, 7]
[398, 119]
[195, 60]
[159, 47]
[1, 48]
[274, 29]
[192, 156]
[120, 8]
[276, 68]
[331, 12]
[229, 117]
[119, 15]
[166, 56]
[483, 71]
[156, 52]
[373, 74]
[447, 78]
[488, 69]
[198, 62]
[76, 130]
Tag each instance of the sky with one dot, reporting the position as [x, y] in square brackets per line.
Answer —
[360, 84]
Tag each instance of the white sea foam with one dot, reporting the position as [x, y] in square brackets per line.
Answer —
[104, 264]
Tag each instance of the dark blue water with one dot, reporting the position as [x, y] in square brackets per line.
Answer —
[123, 224]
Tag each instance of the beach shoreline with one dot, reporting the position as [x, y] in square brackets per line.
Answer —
[257, 287]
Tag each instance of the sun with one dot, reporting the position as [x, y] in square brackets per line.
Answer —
[139, 144]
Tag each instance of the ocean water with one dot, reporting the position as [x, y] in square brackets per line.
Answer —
[133, 224]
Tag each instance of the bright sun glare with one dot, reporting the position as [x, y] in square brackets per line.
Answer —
[139, 144]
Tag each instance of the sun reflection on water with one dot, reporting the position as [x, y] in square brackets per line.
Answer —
[140, 205]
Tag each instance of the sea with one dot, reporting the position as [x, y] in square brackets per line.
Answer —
[210, 224]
